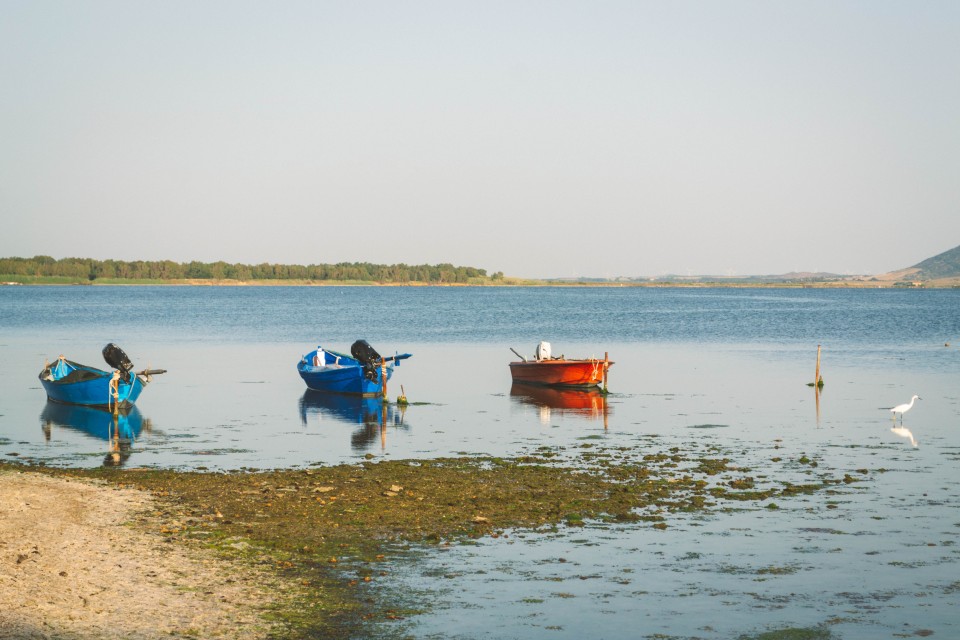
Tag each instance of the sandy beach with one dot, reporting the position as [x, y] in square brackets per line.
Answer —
[82, 559]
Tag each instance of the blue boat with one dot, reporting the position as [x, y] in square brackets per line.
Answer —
[69, 382]
[364, 372]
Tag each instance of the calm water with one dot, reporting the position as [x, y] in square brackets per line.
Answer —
[694, 368]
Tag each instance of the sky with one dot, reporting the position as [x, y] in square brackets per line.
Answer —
[537, 138]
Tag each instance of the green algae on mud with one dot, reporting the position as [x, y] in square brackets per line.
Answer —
[330, 532]
[815, 633]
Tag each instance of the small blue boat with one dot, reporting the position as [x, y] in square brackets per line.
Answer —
[363, 373]
[69, 382]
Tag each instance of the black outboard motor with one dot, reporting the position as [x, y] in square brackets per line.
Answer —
[368, 357]
[117, 359]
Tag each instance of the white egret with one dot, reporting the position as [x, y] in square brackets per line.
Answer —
[903, 408]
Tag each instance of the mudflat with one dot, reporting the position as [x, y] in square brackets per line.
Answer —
[153, 553]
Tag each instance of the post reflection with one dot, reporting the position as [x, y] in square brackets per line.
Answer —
[370, 416]
[119, 430]
[816, 393]
[586, 403]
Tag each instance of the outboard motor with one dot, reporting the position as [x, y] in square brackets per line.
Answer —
[117, 359]
[543, 351]
[368, 357]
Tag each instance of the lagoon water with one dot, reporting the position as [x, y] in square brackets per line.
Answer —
[695, 368]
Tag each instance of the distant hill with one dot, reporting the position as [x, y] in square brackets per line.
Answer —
[941, 269]
[945, 265]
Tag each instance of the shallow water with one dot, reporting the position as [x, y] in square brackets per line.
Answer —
[205, 414]
[877, 558]
[724, 369]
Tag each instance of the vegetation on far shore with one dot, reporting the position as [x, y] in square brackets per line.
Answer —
[944, 271]
[48, 270]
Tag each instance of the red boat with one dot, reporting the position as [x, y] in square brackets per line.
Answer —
[560, 372]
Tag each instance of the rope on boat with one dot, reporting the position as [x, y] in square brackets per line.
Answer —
[113, 392]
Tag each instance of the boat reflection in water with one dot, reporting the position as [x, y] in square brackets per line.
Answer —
[586, 403]
[371, 415]
[120, 430]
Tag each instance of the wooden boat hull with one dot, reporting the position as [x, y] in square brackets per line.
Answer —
[347, 379]
[68, 382]
[560, 373]
[343, 374]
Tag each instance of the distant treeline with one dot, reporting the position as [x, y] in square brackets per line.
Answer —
[91, 270]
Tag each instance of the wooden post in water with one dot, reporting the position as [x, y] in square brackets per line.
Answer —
[383, 378]
[606, 367]
[816, 376]
[817, 379]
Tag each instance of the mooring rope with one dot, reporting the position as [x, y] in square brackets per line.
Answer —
[113, 392]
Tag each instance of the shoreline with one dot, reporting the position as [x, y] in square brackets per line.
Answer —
[295, 553]
[82, 558]
[947, 283]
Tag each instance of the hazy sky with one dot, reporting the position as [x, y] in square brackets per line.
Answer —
[541, 139]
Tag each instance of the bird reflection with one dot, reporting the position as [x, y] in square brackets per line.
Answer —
[903, 432]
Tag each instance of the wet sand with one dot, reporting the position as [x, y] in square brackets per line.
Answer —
[82, 559]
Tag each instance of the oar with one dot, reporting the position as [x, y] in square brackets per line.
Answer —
[518, 355]
[151, 372]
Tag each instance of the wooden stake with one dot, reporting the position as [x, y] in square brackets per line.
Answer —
[606, 367]
[816, 376]
[383, 378]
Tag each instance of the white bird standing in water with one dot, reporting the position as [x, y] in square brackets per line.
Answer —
[903, 408]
